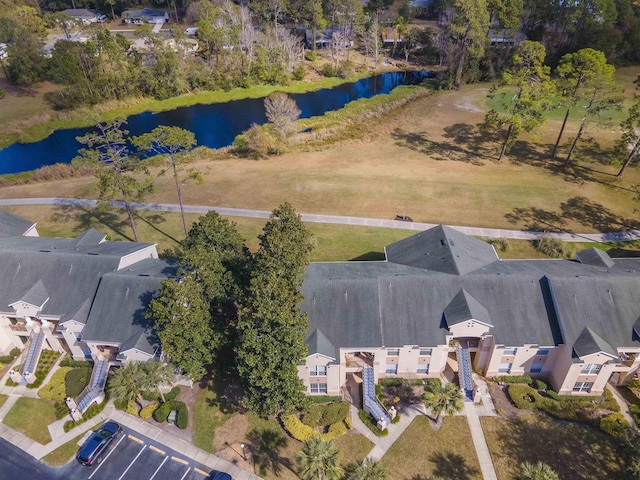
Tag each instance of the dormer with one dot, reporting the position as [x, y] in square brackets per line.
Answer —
[466, 317]
[32, 301]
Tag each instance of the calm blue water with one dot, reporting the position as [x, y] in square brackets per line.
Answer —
[214, 125]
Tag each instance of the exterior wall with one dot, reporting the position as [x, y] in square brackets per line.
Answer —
[24, 310]
[32, 232]
[70, 334]
[147, 252]
[486, 346]
[625, 371]
[599, 379]
[94, 347]
[135, 355]
[11, 334]
[470, 328]
[332, 378]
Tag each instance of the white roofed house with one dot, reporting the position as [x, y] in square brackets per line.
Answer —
[145, 15]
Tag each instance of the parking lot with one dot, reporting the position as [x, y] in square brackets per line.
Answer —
[135, 457]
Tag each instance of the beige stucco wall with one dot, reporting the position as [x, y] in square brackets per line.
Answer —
[470, 328]
[332, 379]
[599, 380]
[135, 355]
[524, 358]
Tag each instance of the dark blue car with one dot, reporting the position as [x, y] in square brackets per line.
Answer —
[96, 445]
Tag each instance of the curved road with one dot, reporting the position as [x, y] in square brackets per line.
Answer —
[340, 220]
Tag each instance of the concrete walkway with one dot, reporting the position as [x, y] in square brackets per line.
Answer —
[339, 220]
[479, 442]
[382, 444]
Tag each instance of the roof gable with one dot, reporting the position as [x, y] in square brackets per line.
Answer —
[12, 225]
[317, 342]
[37, 295]
[442, 249]
[589, 342]
[465, 307]
[595, 256]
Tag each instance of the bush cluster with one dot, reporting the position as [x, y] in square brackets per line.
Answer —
[335, 430]
[67, 361]
[91, 412]
[324, 399]
[297, 429]
[147, 412]
[11, 357]
[391, 382]
[161, 413]
[514, 379]
[56, 388]
[554, 247]
[615, 425]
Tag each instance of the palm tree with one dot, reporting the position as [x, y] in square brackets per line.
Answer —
[155, 374]
[443, 399]
[318, 460]
[127, 383]
[536, 471]
[368, 469]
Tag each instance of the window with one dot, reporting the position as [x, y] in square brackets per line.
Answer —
[591, 369]
[423, 368]
[318, 388]
[542, 351]
[425, 351]
[536, 367]
[583, 387]
[392, 368]
[509, 351]
[318, 371]
[505, 368]
[393, 352]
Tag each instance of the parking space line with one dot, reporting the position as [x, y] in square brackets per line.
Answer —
[184, 462]
[105, 458]
[132, 462]
[135, 439]
[201, 472]
[158, 469]
[156, 449]
[185, 473]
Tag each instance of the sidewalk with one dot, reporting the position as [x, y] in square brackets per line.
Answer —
[479, 442]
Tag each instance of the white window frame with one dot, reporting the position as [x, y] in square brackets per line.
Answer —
[426, 351]
[393, 352]
[590, 369]
[536, 367]
[505, 367]
[423, 368]
[391, 369]
[542, 352]
[509, 351]
[583, 387]
[318, 388]
[318, 371]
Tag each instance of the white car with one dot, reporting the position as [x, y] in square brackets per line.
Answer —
[191, 31]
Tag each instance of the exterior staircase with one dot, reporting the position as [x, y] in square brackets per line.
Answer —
[95, 389]
[464, 372]
[33, 355]
[369, 400]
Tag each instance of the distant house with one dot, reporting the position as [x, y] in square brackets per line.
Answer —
[390, 36]
[85, 16]
[325, 38]
[146, 15]
[506, 37]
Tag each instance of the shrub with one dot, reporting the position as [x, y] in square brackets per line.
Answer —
[298, 72]
[150, 395]
[635, 413]
[132, 408]
[523, 396]
[162, 412]
[147, 412]
[396, 419]
[391, 382]
[369, 422]
[172, 394]
[312, 416]
[501, 244]
[67, 361]
[11, 383]
[328, 70]
[182, 420]
[40, 376]
[348, 423]
[61, 410]
[552, 394]
[297, 429]
[334, 413]
[554, 247]
[324, 399]
[540, 385]
[432, 383]
[335, 430]
[614, 424]
[120, 404]
[91, 412]
[11, 357]
[55, 389]
[15, 351]
[378, 390]
[609, 401]
[514, 379]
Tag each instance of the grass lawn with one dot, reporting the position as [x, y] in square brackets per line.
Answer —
[64, 453]
[207, 417]
[31, 416]
[576, 451]
[421, 452]
[3, 398]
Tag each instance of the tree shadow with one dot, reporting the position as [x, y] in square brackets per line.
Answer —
[228, 392]
[406, 395]
[153, 220]
[537, 219]
[439, 151]
[88, 217]
[452, 465]
[266, 446]
[477, 138]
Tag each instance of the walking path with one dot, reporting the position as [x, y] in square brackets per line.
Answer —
[340, 220]
[624, 406]
[479, 442]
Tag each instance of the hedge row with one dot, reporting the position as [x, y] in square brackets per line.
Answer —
[615, 424]
[11, 357]
[91, 412]
[67, 361]
[369, 422]
[161, 413]
[304, 433]
[324, 399]
[514, 379]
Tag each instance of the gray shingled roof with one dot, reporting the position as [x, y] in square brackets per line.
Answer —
[321, 344]
[544, 302]
[589, 342]
[12, 225]
[71, 246]
[442, 249]
[118, 310]
[36, 295]
[464, 307]
[595, 256]
[90, 238]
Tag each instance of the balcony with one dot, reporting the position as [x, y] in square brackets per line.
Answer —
[628, 359]
[358, 360]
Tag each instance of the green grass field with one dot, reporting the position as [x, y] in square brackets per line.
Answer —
[31, 417]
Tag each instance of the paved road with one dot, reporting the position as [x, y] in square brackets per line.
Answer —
[341, 220]
[17, 464]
